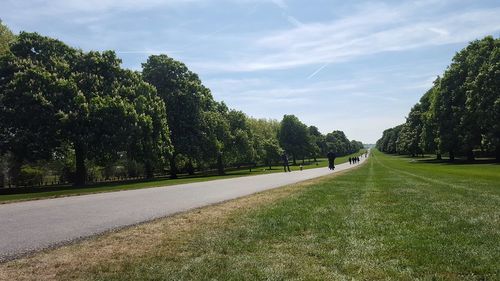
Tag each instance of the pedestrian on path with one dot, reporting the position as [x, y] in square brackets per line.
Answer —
[331, 160]
[286, 165]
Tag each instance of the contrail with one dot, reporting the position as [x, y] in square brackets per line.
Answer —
[146, 52]
[318, 70]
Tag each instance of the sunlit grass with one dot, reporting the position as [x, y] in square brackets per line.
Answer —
[392, 219]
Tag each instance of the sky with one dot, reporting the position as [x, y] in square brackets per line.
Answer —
[355, 66]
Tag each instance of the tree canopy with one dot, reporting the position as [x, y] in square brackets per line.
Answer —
[82, 114]
[459, 115]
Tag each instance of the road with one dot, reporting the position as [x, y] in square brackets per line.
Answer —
[26, 227]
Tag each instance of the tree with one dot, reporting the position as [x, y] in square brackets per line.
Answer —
[264, 139]
[458, 125]
[31, 82]
[429, 134]
[6, 38]
[337, 142]
[409, 138]
[240, 148]
[388, 142]
[293, 136]
[484, 101]
[218, 136]
[459, 114]
[186, 99]
[272, 152]
[83, 100]
[317, 143]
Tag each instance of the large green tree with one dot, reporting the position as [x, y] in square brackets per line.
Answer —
[459, 125]
[83, 100]
[187, 100]
[409, 138]
[294, 137]
[317, 143]
[429, 134]
[483, 101]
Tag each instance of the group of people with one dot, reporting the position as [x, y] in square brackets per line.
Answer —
[354, 160]
[331, 161]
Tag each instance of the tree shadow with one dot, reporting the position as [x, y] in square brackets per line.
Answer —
[459, 161]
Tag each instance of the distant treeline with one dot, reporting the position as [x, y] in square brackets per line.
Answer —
[460, 114]
[79, 117]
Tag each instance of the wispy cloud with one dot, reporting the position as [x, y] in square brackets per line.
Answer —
[336, 64]
[368, 32]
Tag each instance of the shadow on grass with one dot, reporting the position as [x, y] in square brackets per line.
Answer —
[446, 161]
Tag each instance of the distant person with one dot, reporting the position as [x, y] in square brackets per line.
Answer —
[366, 154]
[331, 160]
[286, 165]
[350, 160]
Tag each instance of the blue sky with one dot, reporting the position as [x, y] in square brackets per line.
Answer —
[356, 66]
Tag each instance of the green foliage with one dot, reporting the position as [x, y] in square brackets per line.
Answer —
[94, 118]
[294, 137]
[460, 113]
[30, 176]
[337, 142]
[6, 38]
[82, 99]
[187, 102]
[388, 142]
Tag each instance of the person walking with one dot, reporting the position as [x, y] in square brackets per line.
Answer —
[331, 160]
[286, 165]
[350, 161]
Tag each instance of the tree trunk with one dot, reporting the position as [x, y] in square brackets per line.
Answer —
[173, 167]
[497, 153]
[15, 171]
[294, 160]
[148, 167]
[438, 156]
[452, 156]
[470, 155]
[220, 164]
[81, 170]
[3, 177]
[190, 167]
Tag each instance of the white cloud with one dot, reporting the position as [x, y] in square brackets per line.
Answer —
[367, 32]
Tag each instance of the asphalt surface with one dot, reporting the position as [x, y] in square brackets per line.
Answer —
[27, 227]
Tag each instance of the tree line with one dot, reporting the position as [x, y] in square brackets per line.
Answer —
[460, 114]
[81, 116]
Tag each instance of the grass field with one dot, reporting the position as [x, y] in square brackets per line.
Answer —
[392, 218]
[117, 186]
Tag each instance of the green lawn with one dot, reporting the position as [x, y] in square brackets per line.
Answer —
[107, 187]
[393, 218]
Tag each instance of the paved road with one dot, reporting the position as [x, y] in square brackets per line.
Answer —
[34, 225]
